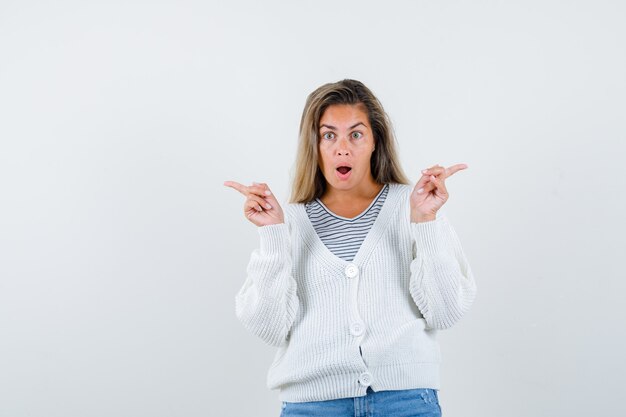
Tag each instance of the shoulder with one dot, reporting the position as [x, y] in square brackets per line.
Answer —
[401, 191]
[292, 213]
[406, 188]
[292, 208]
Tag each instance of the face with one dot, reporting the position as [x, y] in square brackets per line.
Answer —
[345, 140]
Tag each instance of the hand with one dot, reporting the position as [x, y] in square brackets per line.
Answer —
[430, 192]
[260, 207]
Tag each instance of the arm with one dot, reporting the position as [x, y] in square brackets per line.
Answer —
[442, 284]
[267, 302]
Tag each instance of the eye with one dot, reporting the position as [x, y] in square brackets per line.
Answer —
[357, 135]
[328, 135]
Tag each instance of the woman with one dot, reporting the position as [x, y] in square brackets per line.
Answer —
[352, 281]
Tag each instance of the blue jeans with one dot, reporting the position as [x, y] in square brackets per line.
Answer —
[420, 402]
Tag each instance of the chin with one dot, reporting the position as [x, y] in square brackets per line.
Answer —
[341, 185]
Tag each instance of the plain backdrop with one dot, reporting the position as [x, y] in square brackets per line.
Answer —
[121, 251]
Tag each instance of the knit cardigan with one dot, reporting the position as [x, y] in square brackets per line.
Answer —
[343, 326]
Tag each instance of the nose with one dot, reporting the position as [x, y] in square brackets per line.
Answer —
[342, 147]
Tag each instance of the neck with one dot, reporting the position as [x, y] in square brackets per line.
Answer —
[367, 190]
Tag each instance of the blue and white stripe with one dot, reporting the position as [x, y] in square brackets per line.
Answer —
[343, 236]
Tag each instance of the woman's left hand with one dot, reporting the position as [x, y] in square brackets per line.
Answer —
[430, 192]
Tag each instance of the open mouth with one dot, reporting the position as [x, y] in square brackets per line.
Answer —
[344, 170]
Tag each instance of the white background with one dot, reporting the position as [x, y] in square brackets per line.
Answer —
[121, 251]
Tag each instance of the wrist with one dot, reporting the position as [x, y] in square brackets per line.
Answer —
[421, 218]
[269, 224]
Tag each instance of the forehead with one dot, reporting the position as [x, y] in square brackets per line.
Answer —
[343, 114]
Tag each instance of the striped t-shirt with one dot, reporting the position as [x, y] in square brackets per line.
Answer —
[341, 235]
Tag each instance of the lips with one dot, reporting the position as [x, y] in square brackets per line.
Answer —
[343, 172]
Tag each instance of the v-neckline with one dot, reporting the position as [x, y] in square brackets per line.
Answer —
[361, 214]
[321, 251]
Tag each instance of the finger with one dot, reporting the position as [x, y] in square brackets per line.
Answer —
[455, 168]
[239, 187]
[422, 181]
[251, 206]
[423, 184]
[257, 203]
[440, 184]
[261, 188]
[442, 172]
[267, 193]
[427, 188]
[434, 170]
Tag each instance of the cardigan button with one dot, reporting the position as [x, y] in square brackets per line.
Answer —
[365, 379]
[352, 271]
[356, 329]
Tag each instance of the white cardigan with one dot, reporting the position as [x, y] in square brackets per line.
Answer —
[406, 281]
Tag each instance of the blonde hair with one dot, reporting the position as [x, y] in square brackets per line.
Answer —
[309, 182]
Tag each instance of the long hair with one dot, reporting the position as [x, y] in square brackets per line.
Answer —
[309, 182]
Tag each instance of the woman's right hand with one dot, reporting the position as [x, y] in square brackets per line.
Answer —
[255, 208]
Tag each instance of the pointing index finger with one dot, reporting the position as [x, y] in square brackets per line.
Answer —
[239, 187]
[455, 168]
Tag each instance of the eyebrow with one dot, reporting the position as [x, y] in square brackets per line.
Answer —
[351, 127]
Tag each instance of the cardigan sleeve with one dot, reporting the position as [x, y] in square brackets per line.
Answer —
[441, 284]
[267, 302]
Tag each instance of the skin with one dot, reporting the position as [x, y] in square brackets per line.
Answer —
[430, 193]
[346, 137]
